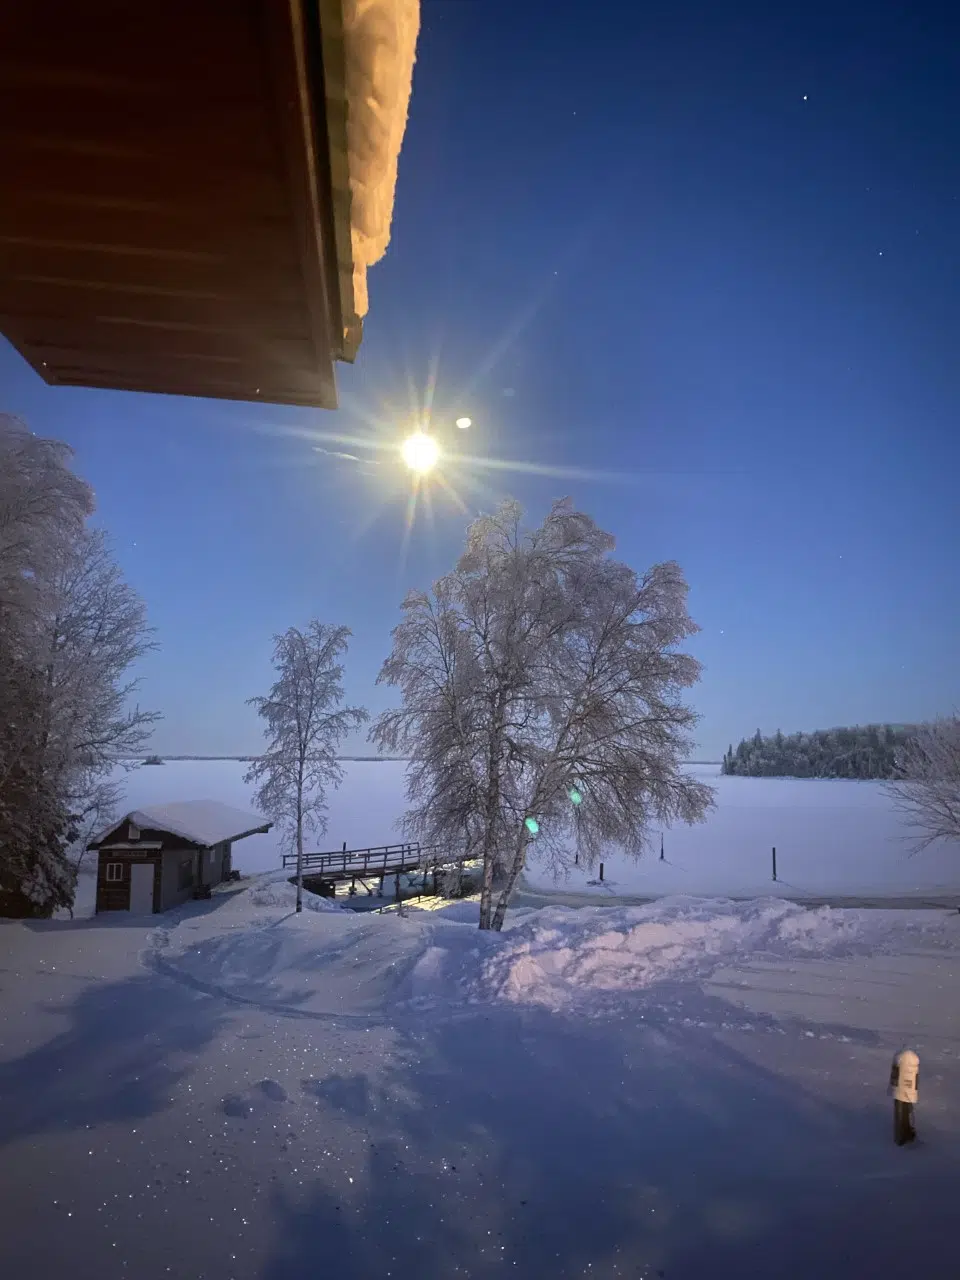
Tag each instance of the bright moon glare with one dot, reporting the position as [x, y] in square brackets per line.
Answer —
[420, 452]
[463, 423]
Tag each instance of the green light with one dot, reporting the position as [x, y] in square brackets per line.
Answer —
[532, 825]
[575, 796]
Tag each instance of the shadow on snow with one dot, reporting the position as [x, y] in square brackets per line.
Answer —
[530, 1143]
[127, 1049]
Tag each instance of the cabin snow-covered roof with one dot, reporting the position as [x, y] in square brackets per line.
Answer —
[203, 822]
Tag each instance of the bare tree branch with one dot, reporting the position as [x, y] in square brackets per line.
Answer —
[927, 786]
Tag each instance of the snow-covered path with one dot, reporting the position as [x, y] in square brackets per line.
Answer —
[733, 1124]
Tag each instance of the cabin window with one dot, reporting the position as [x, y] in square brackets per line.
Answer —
[134, 832]
[185, 873]
[114, 872]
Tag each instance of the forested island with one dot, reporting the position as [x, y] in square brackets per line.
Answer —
[861, 752]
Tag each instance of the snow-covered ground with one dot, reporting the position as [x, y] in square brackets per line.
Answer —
[832, 838]
[685, 1088]
[677, 1090]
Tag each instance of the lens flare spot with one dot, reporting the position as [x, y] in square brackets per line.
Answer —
[420, 452]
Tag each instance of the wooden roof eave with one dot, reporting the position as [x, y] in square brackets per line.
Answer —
[336, 108]
[254, 831]
[179, 213]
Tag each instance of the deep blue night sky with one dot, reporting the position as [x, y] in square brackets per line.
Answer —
[712, 251]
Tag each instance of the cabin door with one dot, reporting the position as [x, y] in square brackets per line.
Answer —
[141, 888]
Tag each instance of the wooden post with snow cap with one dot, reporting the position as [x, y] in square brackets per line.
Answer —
[904, 1084]
[774, 862]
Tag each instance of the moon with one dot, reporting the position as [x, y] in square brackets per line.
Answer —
[420, 452]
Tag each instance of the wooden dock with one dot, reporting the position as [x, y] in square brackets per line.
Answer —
[374, 864]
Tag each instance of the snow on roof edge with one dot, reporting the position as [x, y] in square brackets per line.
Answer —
[380, 43]
[202, 822]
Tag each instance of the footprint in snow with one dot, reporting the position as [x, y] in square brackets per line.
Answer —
[234, 1106]
[274, 1091]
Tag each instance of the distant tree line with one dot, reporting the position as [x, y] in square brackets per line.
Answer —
[868, 751]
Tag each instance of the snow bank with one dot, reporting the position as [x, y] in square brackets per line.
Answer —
[562, 958]
[275, 890]
[592, 960]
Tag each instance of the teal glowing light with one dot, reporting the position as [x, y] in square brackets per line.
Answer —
[576, 797]
[532, 825]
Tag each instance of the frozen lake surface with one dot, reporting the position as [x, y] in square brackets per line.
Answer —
[832, 837]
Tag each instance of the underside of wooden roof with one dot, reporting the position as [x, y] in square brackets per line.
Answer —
[169, 219]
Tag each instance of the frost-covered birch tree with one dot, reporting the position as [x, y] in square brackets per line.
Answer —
[304, 724]
[96, 633]
[70, 628]
[541, 691]
[42, 504]
[927, 786]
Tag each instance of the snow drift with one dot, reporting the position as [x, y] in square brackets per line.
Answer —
[275, 890]
[588, 959]
[559, 957]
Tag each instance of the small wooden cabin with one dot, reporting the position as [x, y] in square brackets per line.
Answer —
[162, 856]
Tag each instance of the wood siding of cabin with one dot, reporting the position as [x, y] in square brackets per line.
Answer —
[114, 895]
[208, 867]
